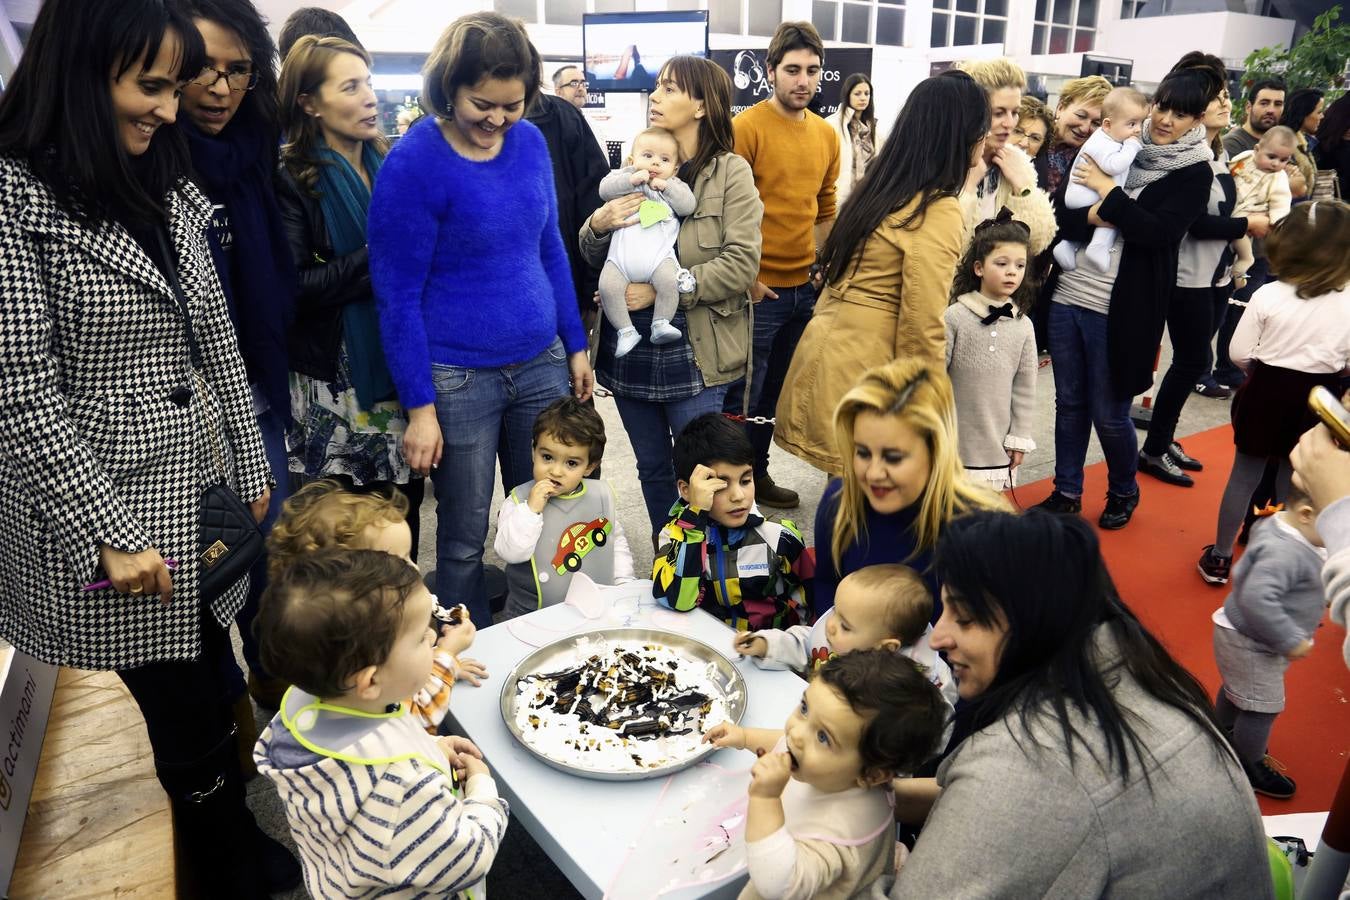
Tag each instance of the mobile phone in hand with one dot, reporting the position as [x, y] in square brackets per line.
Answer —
[1333, 413]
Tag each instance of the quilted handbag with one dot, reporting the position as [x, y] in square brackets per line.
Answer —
[228, 538]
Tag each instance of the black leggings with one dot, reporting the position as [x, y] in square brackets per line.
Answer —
[188, 716]
[1190, 313]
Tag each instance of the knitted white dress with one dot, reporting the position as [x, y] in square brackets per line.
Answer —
[993, 373]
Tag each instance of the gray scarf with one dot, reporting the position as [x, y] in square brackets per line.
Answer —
[1157, 161]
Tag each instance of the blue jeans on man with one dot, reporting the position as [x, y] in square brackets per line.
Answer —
[778, 327]
[486, 416]
[1084, 400]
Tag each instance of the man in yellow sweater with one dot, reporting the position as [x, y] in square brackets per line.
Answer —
[795, 157]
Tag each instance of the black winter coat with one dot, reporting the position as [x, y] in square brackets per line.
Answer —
[1152, 225]
[327, 283]
[578, 168]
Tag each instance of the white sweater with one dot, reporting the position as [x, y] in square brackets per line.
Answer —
[1280, 328]
[1333, 524]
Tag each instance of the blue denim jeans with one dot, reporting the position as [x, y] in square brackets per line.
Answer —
[486, 415]
[778, 327]
[1084, 400]
[651, 428]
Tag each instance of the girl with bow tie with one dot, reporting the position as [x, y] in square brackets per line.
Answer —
[991, 352]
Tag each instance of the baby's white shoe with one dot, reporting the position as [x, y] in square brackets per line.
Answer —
[1066, 255]
[665, 333]
[628, 339]
[1099, 258]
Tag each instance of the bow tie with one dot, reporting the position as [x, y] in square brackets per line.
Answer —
[996, 313]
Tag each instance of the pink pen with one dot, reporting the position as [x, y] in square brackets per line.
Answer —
[170, 564]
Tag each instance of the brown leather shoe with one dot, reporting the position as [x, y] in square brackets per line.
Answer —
[769, 494]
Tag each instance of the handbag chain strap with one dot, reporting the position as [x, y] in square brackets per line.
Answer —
[215, 437]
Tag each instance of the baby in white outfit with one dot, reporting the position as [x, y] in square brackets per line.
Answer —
[1113, 148]
[644, 253]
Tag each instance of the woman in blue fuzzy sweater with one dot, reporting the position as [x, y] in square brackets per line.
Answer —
[478, 314]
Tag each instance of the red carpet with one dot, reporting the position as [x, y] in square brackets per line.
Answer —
[1153, 563]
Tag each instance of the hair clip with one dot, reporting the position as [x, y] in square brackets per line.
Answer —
[1269, 509]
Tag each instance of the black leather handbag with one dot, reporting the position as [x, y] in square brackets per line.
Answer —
[229, 541]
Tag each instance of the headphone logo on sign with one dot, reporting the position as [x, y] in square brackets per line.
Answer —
[747, 71]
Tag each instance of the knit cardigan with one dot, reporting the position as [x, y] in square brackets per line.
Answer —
[466, 258]
[1152, 226]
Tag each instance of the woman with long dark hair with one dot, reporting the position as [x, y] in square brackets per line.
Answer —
[348, 423]
[1094, 765]
[111, 426]
[1104, 328]
[661, 388]
[1303, 115]
[1333, 141]
[856, 122]
[229, 115]
[889, 263]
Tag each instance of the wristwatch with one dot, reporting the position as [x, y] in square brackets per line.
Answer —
[685, 281]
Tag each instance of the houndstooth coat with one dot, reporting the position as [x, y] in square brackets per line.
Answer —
[92, 449]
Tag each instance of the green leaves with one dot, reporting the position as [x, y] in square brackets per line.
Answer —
[1317, 60]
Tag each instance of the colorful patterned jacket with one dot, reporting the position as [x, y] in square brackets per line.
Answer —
[749, 577]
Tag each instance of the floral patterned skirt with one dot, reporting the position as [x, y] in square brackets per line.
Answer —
[333, 435]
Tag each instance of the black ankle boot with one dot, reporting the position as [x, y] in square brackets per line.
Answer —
[220, 848]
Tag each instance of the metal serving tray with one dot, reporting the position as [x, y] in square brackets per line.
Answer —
[559, 654]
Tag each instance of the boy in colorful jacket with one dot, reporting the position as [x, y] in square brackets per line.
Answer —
[718, 551]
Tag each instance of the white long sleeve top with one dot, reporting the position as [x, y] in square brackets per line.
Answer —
[1280, 328]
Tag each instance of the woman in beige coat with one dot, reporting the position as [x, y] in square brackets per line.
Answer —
[660, 388]
[888, 263]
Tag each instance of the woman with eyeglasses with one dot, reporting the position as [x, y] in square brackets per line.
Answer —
[107, 436]
[229, 114]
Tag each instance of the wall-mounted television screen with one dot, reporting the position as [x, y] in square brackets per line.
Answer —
[625, 51]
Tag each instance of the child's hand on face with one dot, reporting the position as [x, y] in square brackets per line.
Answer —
[770, 775]
[455, 639]
[470, 670]
[641, 176]
[747, 643]
[703, 486]
[1302, 649]
[539, 495]
[658, 184]
[724, 735]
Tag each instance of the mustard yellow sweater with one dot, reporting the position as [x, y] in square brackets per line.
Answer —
[796, 164]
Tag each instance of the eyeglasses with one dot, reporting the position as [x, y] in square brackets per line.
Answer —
[574, 84]
[238, 80]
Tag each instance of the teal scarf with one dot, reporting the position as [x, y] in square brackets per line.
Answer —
[343, 197]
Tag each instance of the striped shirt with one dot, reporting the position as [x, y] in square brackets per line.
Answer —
[390, 830]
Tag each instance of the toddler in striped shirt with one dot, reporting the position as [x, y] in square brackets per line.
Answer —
[370, 796]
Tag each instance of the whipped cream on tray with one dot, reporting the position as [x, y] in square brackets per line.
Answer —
[622, 706]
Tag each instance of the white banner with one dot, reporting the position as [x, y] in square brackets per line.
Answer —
[25, 701]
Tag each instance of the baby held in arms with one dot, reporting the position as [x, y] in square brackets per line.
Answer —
[644, 252]
[1113, 148]
[819, 822]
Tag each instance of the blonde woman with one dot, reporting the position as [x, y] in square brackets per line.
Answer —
[1005, 176]
[1077, 115]
[903, 479]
